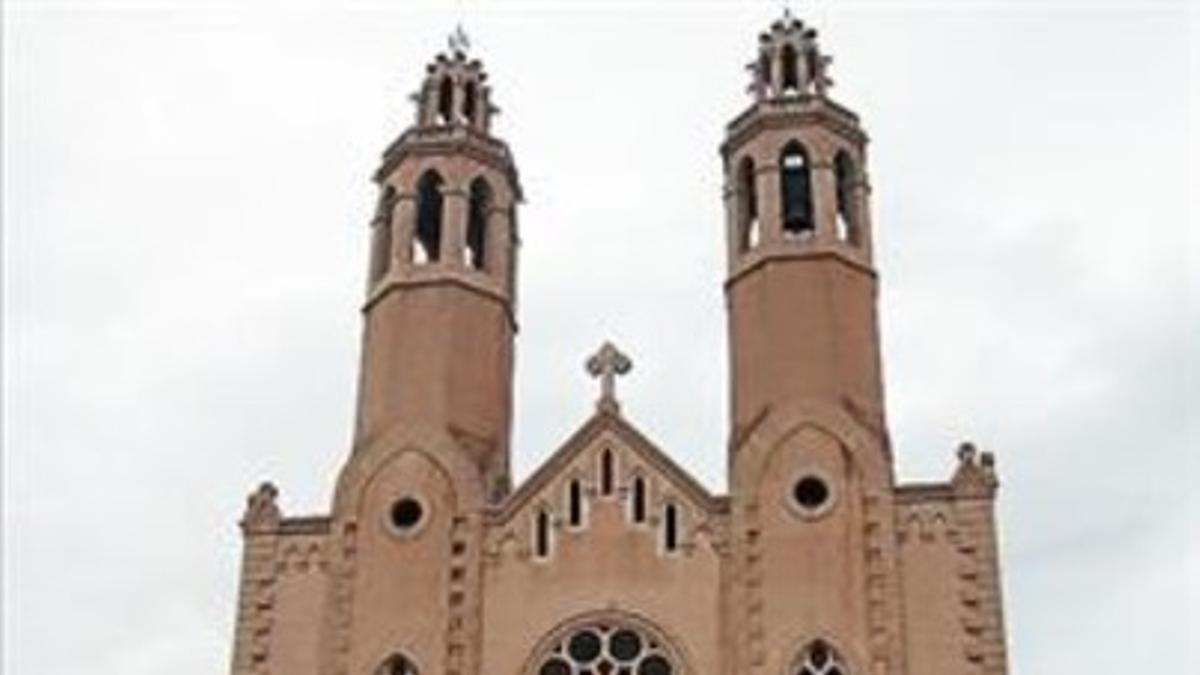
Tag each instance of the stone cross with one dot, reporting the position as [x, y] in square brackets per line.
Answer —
[606, 364]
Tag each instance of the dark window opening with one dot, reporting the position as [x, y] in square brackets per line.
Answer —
[791, 74]
[810, 492]
[427, 239]
[541, 535]
[670, 528]
[747, 196]
[796, 190]
[812, 61]
[575, 505]
[397, 665]
[480, 204]
[584, 646]
[469, 102]
[654, 665]
[820, 659]
[606, 472]
[446, 101]
[555, 666]
[406, 513]
[843, 169]
[638, 507]
[764, 70]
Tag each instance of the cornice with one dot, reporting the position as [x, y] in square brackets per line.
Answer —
[793, 251]
[439, 141]
[791, 113]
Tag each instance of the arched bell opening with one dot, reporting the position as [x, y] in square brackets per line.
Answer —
[427, 235]
[795, 180]
[746, 195]
[479, 205]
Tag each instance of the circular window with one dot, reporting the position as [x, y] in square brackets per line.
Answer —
[811, 495]
[406, 514]
[605, 649]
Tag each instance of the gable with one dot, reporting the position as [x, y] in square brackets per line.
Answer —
[580, 458]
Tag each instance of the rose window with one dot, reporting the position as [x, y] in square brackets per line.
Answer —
[820, 659]
[605, 649]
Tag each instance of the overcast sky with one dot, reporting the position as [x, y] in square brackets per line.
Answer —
[186, 198]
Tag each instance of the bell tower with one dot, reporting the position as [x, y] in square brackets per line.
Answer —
[439, 315]
[801, 284]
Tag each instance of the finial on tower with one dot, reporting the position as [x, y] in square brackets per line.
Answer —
[458, 40]
[455, 92]
[606, 364]
[789, 63]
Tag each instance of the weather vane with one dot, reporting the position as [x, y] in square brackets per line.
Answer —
[458, 41]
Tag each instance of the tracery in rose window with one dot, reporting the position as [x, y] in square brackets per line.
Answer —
[607, 648]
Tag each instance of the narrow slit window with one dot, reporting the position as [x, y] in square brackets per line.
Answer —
[480, 204]
[670, 528]
[606, 472]
[637, 506]
[791, 74]
[446, 101]
[541, 534]
[747, 196]
[796, 190]
[470, 104]
[843, 168]
[575, 503]
[812, 61]
[381, 249]
[427, 236]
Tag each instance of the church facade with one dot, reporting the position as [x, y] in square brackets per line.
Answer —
[610, 559]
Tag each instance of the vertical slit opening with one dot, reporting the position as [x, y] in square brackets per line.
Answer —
[575, 504]
[480, 204]
[606, 472]
[427, 235]
[670, 528]
[541, 535]
[796, 190]
[638, 505]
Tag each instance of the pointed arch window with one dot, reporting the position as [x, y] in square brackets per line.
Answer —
[607, 470]
[819, 658]
[575, 503]
[843, 170]
[427, 236]
[670, 528]
[541, 534]
[791, 73]
[812, 62]
[637, 505]
[747, 196]
[795, 190]
[480, 205]
[381, 248]
[445, 105]
[397, 664]
[764, 71]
